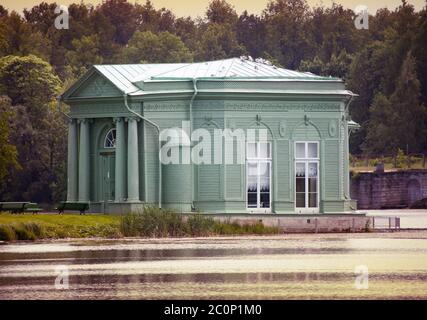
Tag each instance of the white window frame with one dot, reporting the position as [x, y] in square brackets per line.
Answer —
[306, 160]
[106, 136]
[257, 160]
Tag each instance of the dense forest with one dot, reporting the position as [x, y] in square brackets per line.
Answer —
[385, 64]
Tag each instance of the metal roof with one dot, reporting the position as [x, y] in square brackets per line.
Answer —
[234, 68]
[125, 76]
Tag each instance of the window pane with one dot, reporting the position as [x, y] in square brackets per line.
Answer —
[312, 185]
[300, 185]
[252, 182]
[264, 172]
[252, 199]
[265, 199]
[251, 152]
[300, 200]
[312, 170]
[300, 150]
[252, 169]
[300, 170]
[264, 150]
[312, 150]
[312, 200]
[110, 139]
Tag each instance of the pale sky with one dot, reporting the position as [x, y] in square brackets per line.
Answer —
[196, 8]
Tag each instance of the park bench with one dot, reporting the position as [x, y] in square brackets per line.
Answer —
[13, 207]
[19, 207]
[78, 206]
[32, 207]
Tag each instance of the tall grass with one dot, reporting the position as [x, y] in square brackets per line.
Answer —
[155, 222]
[22, 231]
[151, 222]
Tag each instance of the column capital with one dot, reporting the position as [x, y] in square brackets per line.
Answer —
[117, 119]
[128, 119]
[84, 120]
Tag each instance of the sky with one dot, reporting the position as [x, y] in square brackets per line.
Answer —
[196, 8]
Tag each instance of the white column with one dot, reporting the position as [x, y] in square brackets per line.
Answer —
[120, 160]
[72, 160]
[133, 165]
[84, 159]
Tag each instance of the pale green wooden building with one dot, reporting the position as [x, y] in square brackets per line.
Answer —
[118, 111]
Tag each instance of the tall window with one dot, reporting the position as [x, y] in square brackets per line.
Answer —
[258, 176]
[110, 139]
[307, 177]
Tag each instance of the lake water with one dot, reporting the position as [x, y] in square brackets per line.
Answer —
[349, 266]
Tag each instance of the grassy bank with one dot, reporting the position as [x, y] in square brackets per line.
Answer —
[33, 227]
[151, 223]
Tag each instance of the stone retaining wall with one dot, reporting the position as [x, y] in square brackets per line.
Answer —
[382, 190]
[307, 223]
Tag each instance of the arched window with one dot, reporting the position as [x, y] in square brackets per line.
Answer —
[110, 139]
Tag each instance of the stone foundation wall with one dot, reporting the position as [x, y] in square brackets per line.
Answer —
[307, 223]
[382, 190]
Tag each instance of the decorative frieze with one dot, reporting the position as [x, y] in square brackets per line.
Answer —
[243, 106]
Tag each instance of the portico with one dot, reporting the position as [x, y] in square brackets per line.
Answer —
[124, 151]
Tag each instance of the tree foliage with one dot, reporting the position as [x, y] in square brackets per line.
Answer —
[8, 153]
[148, 47]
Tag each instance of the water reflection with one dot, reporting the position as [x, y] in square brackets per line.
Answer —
[238, 268]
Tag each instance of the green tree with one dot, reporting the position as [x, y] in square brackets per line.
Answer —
[250, 32]
[399, 121]
[333, 31]
[186, 30]
[37, 130]
[336, 67]
[19, 37]
[410, 127]
[419, 52]
[221, 12]
[8, 152]
[122, 16]
[150, 19]
[85, 54]
[287, 23]
[380, 136]
[150, 48]
[219, 41]
[365, 78]
[29, 81]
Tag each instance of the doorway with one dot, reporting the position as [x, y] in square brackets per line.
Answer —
[258, 177]
[108, 164]
[307, 177]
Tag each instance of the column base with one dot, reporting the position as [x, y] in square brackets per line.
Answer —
[117, 207]
[133, 201]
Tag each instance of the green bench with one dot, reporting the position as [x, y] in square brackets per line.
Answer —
[13, 207]
[77, 206]
[19, 207]
[33, 208]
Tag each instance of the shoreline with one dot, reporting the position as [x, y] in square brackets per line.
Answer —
[402, 234]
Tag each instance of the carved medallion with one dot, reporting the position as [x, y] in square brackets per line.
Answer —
[282, 128]
[333, 128]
